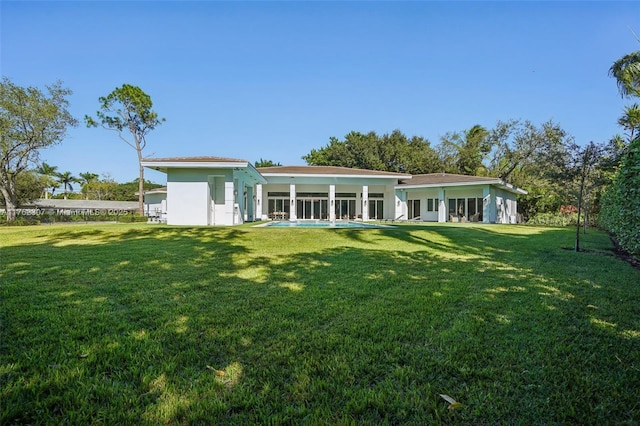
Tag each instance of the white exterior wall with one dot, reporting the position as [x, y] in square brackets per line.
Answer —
[207, 197]
[188, 197]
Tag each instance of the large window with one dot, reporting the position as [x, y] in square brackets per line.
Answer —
[279, 205]
[309, 208]
[345, 209]
[465, 209]
[432, 204]
[376, 209]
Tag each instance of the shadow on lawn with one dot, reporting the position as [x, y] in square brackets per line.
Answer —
[198, 325]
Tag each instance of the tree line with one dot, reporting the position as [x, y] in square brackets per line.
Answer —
[544, 159]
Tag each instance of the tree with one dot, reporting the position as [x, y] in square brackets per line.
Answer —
[29, 186]
[465, 153]
[392, 152]
[266, 163]
[520, 145]
[85, 179]
[102, 189]
[128, 110]
[66, 179]
[581, 178]
[30, 120]
[48, 173]
[630, 121]
[626, 71]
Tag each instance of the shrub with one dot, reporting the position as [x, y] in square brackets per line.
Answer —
[561, 219]
[620, 205]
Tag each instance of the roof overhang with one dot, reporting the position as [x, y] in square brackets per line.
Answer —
[241, 166]
[492, 182]
[334, 175]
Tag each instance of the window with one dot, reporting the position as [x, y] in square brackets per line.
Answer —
[414, 208]
[432, 204]
[345, 209]
[376, 209]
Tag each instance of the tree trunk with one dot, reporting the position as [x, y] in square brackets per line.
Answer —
[10, 204]
[140, 185]
[582, 179]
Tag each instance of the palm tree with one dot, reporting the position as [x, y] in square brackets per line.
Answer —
[66, 179]
[630, 120]
[50, 172]
[627, 71]
[87, 178]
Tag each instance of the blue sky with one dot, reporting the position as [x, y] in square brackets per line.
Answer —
[274, 80]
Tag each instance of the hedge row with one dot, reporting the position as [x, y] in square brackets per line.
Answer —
[47, 218]
[560, 219]
[620, 204]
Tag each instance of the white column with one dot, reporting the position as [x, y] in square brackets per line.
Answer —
[292, 201]
[229, 203]
[260, 212]
[487, 205]
[365, 201]
[442, 206]
[332, 203]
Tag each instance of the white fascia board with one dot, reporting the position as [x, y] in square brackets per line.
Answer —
[194, 164]
[440, 185]
[504, 185]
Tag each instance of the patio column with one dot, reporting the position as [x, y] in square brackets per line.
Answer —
[259, 209]
[365, 200]
[401, 204]
[487, 202]
[229, 203]
[332, 203]
[442, 205]
[250, 208]
[292, 201]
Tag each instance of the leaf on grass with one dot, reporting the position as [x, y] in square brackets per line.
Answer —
[453, 404]
[448, 398]
[218, 372]
[82, 355]
[592, 307]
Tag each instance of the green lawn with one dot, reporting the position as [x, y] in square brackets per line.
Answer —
[121, 324]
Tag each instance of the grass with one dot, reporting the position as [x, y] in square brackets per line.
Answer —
[121, 324]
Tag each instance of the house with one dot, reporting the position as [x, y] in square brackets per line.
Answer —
[227, 191]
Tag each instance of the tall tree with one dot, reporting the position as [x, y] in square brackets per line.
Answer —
[30, 120]
[66, 179]
[630, 121]
[48, 173]
[128, 110]
[85, 180]
[626, 71]
[520, 145]
[392, 152]
[465, 153]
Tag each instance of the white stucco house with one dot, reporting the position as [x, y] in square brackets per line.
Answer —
[227, 191]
